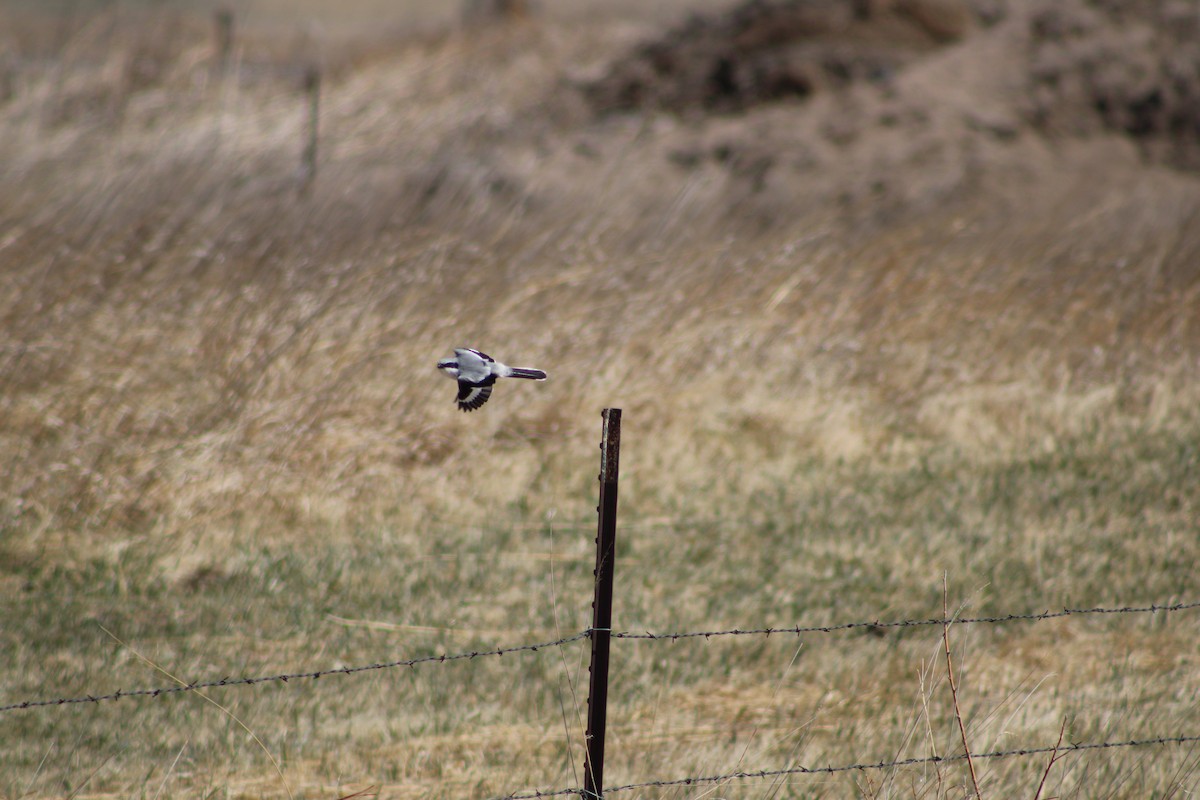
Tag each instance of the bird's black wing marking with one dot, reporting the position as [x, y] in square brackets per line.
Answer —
[471, 396]
[484, 356]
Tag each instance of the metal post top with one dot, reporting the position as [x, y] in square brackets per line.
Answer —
[610, 447]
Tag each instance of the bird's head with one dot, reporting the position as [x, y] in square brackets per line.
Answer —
[448, 367]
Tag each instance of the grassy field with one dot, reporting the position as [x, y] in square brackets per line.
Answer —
[826, 543]
[965, 361]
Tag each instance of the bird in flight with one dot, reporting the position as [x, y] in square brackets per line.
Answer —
[476, 372]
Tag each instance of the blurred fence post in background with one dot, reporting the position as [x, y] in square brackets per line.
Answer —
[222, 39]
[606, 551]
[308, 159]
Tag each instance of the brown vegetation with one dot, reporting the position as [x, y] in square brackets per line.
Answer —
[880, 236]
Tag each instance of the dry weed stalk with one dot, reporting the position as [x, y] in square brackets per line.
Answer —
[1054, 757]
[962, 730]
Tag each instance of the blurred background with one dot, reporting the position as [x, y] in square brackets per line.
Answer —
[888, 290]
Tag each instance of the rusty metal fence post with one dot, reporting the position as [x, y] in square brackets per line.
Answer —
[601, 634]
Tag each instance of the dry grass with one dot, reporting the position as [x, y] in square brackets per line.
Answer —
[227, 444]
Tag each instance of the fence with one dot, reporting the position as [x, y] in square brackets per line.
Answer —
[587, 634]
[223, 63]
[601, 634]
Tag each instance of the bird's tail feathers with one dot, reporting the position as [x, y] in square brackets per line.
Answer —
[531, 374]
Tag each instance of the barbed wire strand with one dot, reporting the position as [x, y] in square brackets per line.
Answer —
[904, 762]
[412, 662]
[191, 687]
[1066, 612]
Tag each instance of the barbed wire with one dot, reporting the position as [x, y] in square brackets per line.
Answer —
[412, 662]
[535, 794]
[1060, 750]
[191, 687]
[1066, 612]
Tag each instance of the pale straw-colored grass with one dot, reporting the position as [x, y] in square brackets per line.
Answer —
[227, 443]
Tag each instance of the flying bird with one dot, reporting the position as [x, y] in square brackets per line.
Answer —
[476, 372]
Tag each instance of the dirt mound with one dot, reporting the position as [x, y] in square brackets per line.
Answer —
[766, 50]
[1087, 66]
[1123, 65]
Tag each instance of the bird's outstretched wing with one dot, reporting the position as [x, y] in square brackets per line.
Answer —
[483, 356]
[473, 365]
[471, 397]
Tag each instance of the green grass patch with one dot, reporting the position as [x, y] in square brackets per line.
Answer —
[1104, 519]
